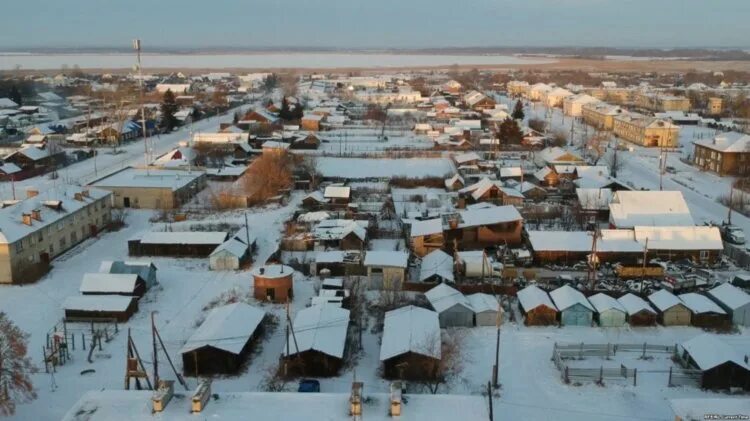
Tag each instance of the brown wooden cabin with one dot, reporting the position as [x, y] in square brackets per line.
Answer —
[642, 318]
[311, 363]
[208, 361]
[98, 315]
[540, 316]
[409, 366]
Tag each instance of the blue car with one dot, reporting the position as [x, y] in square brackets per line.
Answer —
[309, 386]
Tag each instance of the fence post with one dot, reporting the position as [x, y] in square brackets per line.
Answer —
[73, 341]
[567, 377]
[643, 356]
[669, 382]
[580, 352]
[635, 376]
[601, 375]
[83, 340]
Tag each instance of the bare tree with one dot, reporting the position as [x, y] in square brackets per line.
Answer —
[15, 367]
[451, 362]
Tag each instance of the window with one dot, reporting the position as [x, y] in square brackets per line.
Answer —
[19, 246]
[704, 255]
[40, 238]
[63, 242]
[376, 270]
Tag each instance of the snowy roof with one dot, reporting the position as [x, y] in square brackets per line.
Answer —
[112, 283]
[510, 172]
[313, 216]
[183, 237]
[9, 168]
[680, 238]
[12, 227]
[634, 304]
[109, 303]
[273, 144]
[442, 297]
[542, 172]
[437, 263]
[316, 196]
[410, 329]
[622, 241]
[397, 259]
[333, 256]
[730, 296]
[232, 246]
[603, 302]
[488, 216]
[272, 271]
[337, 192]
[576, 241]
[727, 142]
[532, 297]
[32, 152]
[149, 178]
[466, 157]
[481, 302]
[322, 329]
[649, 208]
[567, 296]
[699, 304]
[227, 328]
[663, 300]
[451, 181]
[594, 199]
[478, 189]
[337, 229]
[134, 405]
[426, 227]
[708, 351]
[7, 103]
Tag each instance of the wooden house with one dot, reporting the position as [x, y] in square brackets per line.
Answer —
[426, 236]
[722, 367]
[386, 269]
[100, 307]
[311, 122]
[734, 301]
[437, 266]
[340, 234]
[536, 306]
[410, 348]
[176, 243]
[129, 285]
[704, 312]
[452, 307]
[222, 343]
[488, 226]
[575, 309]
[144, 269]
[672, 311]
[338, 196]
[319, 342]
[639, 311]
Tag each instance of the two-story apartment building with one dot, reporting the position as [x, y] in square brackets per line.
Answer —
[600, 115]
[725, 154]
[35, 230]
[646, 131]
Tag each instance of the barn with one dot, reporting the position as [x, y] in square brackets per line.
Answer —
[537, 307]
[410, 347]
[640, 312]
[486, 308]
[704, 312]
[318, 341]
[672, 311]
[176, 244]
[100, 307]
[575, 309]
[734, 301]
[113, 284]
[609, 311]
[452, 306]
[722, 367]
[223, 341]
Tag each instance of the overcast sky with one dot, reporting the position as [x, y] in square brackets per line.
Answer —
[375, 23]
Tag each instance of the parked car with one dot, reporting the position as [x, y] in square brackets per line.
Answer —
[309, 386]
[733, 234]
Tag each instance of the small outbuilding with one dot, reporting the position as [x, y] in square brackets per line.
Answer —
[722, 367]
[575, 309]
[233, 253]
[273, 283]
[639, 311]
[672, 311]
[386, 269]
[146, 270]
[411, 346]
[318, 342]
[130, 285]
[222, 342]
[437, 266]
[609, 311]
[536, 306]
[99, 308]
[176, 243]
[704, 312]
[734, 301]
[452, 307]
[487, 309]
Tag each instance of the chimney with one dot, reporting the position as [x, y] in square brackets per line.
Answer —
[36, 214]
[31, 192]
[201, 396]
[355, 400]
[453, 222]
[78, 197]
[162, 395]
[85, 192]
[262, 271]
[395, 409]
[26, 219]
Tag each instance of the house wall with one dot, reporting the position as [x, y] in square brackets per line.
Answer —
[223, 261]
[577, 315]
[120, 316]
[456, 316]
[156, 198]
[642, 318]
[424, 245]
[282, 288]
[597, 119]
[636, 132]
[210, 361]
[611, 318]
[23, 260]
[541, 316]
[711, 320]
[385, 277]
[720, 162]
[409, 366]
[486, 318]
[678, 315]
[312, 363]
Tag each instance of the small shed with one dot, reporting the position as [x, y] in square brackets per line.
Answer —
[318, 342]
[146, 270]
[229, 255]
[113, 284]
[639, 311]
[437, 266]
[452, 306]
[609, 311]
[100, 308]
[734, 301]
[575, 309]
[672, 311]
[722, 367]
[273, 283]
[487, 309]
[704, 312]
[411, 346]
[473, 264]
[537, 307]
[223, 341]
[386, 269]
[176, 244]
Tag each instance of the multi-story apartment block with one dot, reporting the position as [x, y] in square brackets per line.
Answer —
[600, 115]
[646, 131]
[725, 154]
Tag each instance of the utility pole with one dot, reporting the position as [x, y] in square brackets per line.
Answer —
[137, 48]
[156, 355]
[645, 260]
[496, 367]
[593, 260]
[729, 205]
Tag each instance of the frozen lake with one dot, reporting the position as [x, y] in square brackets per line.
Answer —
[253, 60]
